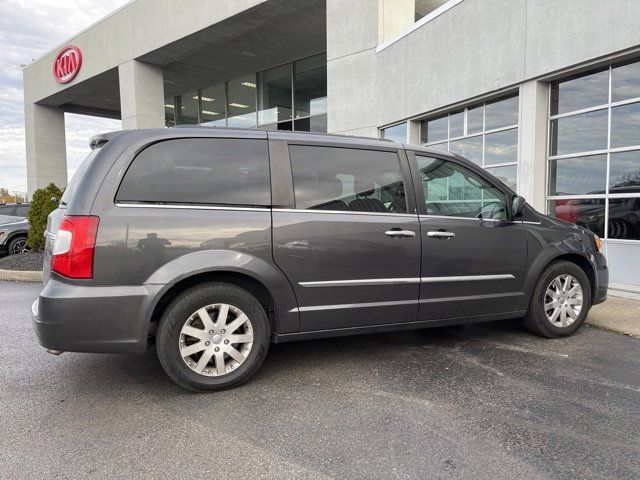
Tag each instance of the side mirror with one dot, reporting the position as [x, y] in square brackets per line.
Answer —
[517, 207]
[54, 199]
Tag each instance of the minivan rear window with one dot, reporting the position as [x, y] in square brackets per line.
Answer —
[68, 192]
[222, 171]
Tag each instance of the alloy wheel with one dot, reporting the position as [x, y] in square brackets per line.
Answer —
[20, 247]
[563, 300]
[216, 339]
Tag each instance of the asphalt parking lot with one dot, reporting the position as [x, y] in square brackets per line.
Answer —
[489, 401]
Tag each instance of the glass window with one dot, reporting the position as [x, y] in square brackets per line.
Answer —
[274, 95]
[578, 176]
[576, 93]
[22, 211]
[397, 133]
[501, 113]
[455, 191]
[625, 125]
[456, 124]
[435, 130]
[624, 218]
[200, 171]
[475, 120]
[213, 104]
[625, 82]
[241, 103]
[187, 113]
[579, 133]
[470, 148]
[501, 147]
[585, 212]
[311, 86]
[169, 112]
[585, 176]
[311, 124]
[507, 175]
[346, 179]
[624, 176]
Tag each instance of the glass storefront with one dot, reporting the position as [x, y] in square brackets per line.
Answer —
[486, 134]
[594, 151]
[292, 96]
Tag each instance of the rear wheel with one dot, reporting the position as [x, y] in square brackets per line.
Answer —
[213, 336]
[17, 245]
[560, 302]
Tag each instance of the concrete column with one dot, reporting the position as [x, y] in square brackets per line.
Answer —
[45, 146]
[394, 16]
[532, 143]
[413, 132]
[141, 95]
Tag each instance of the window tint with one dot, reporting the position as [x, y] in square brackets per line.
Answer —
[454, 191]
[201, 171]
[329, 178]
[6, 209]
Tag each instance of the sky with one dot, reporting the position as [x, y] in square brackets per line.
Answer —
[29, 29]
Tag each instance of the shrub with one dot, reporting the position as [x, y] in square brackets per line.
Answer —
[40, 207]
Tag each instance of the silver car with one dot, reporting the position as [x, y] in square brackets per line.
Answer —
[13, 212]
[13, 237]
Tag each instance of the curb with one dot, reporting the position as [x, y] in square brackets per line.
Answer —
[21, 276]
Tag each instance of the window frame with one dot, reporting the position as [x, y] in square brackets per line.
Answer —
[412, 155]
[608, 151]
[403, 163]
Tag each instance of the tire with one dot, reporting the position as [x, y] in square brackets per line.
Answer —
[183, 316]
[15, 245]
[538, 318]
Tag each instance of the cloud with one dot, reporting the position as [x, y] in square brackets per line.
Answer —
[29, 29]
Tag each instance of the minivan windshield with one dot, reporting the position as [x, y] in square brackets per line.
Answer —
[76, 177]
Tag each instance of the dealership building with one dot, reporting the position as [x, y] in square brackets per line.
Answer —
[544, 94]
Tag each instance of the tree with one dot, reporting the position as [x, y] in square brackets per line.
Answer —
[40, 207]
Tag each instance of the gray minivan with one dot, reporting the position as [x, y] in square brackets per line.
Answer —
[212, 243]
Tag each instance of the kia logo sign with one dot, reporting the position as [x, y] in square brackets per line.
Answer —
[67, 64]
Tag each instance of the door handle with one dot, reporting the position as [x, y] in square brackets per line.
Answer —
[439, 234]
[400, 233]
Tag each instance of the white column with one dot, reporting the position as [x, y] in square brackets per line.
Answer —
[141, 95]
[45, 146]
[532, 143]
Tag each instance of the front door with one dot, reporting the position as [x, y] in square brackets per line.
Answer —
[473, 256]
[349, 246]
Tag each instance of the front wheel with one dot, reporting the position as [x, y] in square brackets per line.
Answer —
[213, 336]
[17, 245]
[560, 302]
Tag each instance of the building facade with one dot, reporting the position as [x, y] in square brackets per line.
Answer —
[544, 94]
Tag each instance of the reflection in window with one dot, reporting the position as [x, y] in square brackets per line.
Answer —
[585, 212]
[624, 176]
[579, 133]
[580, 92]
[311, 86]
[578, 189]
[169, 112]
[486, 134]
[507, 175]
[345, 179]
[187, 107]
[454, 191]
[213, 104]
[624, 218]
[274, 95]
[241, 103]
[397, 133]
[578, 176]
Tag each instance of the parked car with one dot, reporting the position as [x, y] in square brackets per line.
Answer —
[13, 212]
[13, 237]
[215, 242]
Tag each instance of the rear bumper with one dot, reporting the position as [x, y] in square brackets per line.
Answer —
[93, 318]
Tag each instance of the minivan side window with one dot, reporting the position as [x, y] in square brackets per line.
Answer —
[452, 190]
[347, 179]
[221, 171]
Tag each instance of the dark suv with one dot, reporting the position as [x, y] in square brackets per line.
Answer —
[215, 242]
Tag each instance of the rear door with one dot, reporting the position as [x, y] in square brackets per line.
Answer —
[473, 256]
[349, 242]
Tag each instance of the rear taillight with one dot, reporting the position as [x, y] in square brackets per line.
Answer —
[73, 248]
